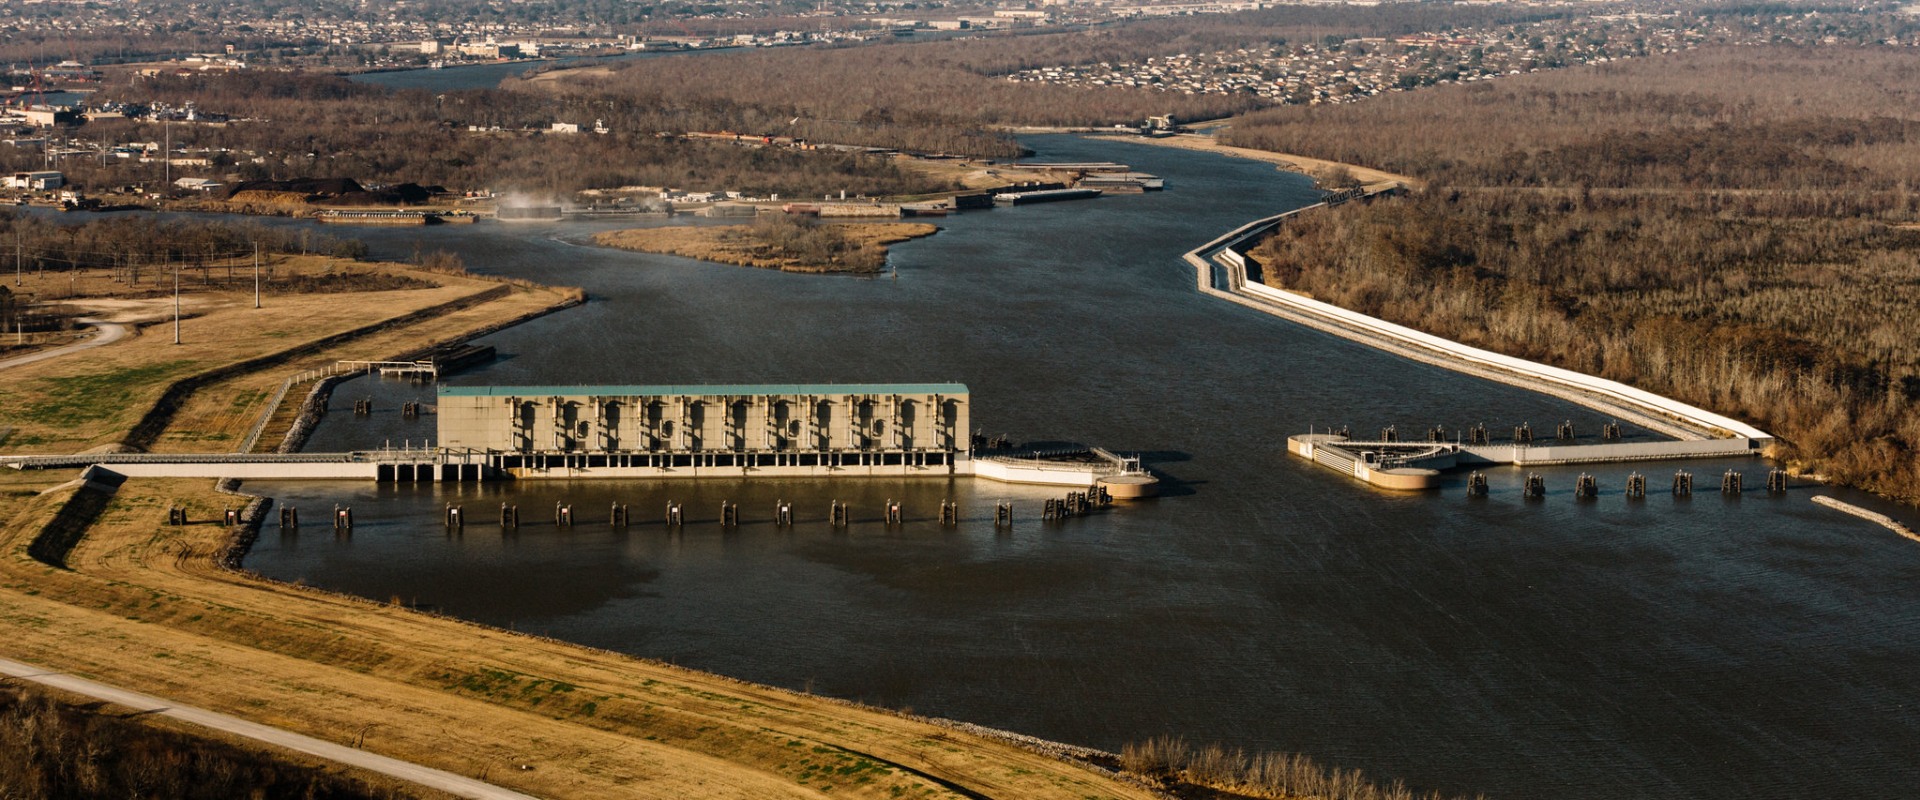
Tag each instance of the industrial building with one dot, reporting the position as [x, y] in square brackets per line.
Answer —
[36, 180]
[699, 431]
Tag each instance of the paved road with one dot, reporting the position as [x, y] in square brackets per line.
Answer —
[414, 773]
[110, 332]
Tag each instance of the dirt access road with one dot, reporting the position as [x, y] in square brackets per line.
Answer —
[143, 703]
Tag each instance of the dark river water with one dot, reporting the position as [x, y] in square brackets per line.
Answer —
[1667, 648]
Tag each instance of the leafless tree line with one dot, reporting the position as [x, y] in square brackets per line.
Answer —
[1276, 775]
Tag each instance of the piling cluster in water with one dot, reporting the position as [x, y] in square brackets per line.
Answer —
[840, 514]
[1587, 487]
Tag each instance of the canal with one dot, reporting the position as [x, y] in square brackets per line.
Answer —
[1701, 648]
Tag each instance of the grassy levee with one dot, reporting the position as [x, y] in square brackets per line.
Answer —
[219, 412]
[147, 393]
[167, 407]
[146, 606]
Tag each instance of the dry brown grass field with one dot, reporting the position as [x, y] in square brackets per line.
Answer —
[95, 398]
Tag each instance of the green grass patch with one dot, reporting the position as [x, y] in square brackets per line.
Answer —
[98, 396]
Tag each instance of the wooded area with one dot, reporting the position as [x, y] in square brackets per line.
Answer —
[305, 125]
[1734, 228]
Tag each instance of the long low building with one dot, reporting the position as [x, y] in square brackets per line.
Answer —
[726, 431]
[779, 429]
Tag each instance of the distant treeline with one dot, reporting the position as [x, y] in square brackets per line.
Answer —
[40, 244]
[1734, 228]
[303, 125]
[951, 95]
[1779, 118]
[50, 750]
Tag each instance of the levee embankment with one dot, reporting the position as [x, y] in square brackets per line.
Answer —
[1221, 269]
[149, 606]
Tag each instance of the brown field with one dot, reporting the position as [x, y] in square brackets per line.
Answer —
[146, 606]
[733, 244]
[98, 397]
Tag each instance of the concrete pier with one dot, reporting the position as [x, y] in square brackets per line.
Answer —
[1418, 465]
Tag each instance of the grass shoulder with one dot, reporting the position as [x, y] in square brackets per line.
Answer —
[229, 357]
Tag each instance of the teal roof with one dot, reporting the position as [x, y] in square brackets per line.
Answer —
[665, 390]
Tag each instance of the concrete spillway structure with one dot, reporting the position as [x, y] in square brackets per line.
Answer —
[711, 431]
[726, 431]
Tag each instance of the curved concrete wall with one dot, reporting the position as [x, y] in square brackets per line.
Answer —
[1236, 278]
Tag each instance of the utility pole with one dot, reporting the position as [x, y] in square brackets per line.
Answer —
[18, 255]
[176, 304]
[166, 156]
[256, 274]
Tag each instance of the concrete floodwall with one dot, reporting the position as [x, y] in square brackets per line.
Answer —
[1538, 371]
[1239, 289]
[1523, 455]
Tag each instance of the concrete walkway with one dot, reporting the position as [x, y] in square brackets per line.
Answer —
[110, 332]
[413, 773]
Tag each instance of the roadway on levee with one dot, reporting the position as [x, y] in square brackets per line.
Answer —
[110, 332]
[392, 767]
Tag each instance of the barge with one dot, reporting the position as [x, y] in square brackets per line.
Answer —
[1044, 196]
